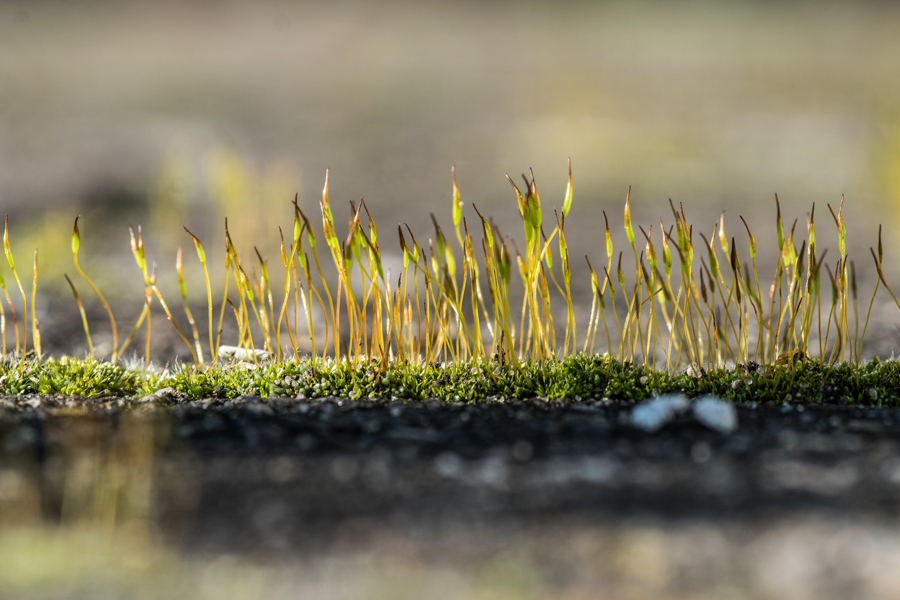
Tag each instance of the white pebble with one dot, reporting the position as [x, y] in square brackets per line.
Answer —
[653, 415]
[242, 354]
[716, 414]
[694, 370]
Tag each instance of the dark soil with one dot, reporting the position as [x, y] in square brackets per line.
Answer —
[274, 475]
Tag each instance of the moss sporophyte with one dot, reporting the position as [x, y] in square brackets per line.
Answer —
[448, 326]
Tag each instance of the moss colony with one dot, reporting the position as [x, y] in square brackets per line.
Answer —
[680, 314]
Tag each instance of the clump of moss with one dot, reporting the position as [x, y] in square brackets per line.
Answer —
[73, 377]
[578, 378]
[447, 327]
[680, 304]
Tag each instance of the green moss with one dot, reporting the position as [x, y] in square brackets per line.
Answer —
[425, 338]
[575, 378]
[73, 377]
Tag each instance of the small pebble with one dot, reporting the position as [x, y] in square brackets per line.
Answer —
[653, 415]
[716, 414]
[241, 354]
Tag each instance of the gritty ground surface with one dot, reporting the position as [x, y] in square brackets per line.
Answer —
[574, 491]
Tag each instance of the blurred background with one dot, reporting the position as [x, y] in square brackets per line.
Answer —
[180, 113]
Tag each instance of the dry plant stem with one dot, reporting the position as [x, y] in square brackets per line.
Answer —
[237, 316]
[245, 336]
[795, 306]
[664, 295]
[835, 295]
[12, 310]
[855, 314]
[84, 321]
[145, 314]
[240, 282]
[705, 323]
[175, 325]
[3, 328]
[336, 253]
[246, 291]
[76, 241]
[690, 327]
[638, 330]
[591, 328]
[615, 312]
[12, 267]
[222, 306]
[201, 255]
[179, 269]
[309, 318]
[303, 258]
[259, 312]
[680, 336]
[635, 302]
[265, 293]
[841, 272]
[309, 327]
[809, 302]
[296, 279]
[148, 299]
[363, 348]
[334, 317]
[872, 301]
[35, 330]
[822, 342]
[593, 322]
[137, 250]
[726, 303]
[665, 284]
[477, 296]
[757, 296]
[881, 277]
[862, 340]
[134, 330]
[773, 328]
[266, 314]
[283, 316]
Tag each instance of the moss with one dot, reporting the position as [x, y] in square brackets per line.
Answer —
[576, 378]
[73, 377]
[425, 338]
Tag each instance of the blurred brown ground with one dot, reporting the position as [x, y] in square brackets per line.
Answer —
[171, 114]
[179, 113]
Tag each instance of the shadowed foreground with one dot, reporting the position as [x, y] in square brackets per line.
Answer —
[528, 499]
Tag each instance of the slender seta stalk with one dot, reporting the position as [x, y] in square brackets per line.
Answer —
[669, 314]
[76, 243]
